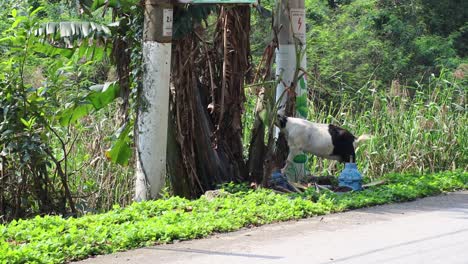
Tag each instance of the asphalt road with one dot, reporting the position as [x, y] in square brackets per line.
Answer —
[426, 231]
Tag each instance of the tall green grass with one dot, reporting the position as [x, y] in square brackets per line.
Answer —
[97, 183]
[423, 128]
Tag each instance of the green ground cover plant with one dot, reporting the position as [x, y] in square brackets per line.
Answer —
[54, 239]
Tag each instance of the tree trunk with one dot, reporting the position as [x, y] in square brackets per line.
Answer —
[203, 166]
[121, 57]
[257, 149]
[232, 38]
[207, 103]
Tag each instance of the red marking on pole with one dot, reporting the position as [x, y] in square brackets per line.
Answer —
[300, 24]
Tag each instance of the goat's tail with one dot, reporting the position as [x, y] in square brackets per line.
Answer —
[361, 138]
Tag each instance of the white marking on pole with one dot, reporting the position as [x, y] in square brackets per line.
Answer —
[298, 23]
[167, 22]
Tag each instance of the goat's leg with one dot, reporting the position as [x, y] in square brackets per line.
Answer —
[293, 152]
[332, 164]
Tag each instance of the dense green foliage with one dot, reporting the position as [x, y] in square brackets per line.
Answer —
[379, 40]
[54, 239]
[395, 69]
[45, 91]
[383, 41]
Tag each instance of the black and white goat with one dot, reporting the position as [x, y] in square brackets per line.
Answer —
[323, 140]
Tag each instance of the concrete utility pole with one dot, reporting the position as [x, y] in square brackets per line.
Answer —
[153, 110]
[292, 34]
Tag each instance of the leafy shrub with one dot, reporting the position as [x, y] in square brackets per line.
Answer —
[434, 50]
[50, 162]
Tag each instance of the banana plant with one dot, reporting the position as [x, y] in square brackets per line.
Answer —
[96, 42]
[80, 38]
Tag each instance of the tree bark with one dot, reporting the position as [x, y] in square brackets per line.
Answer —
[207, 105]
[257, 149]
[232, 38]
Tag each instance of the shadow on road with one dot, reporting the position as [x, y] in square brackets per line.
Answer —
[210, 252]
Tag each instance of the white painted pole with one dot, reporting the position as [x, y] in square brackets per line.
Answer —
[292, 34]
[153, 110]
